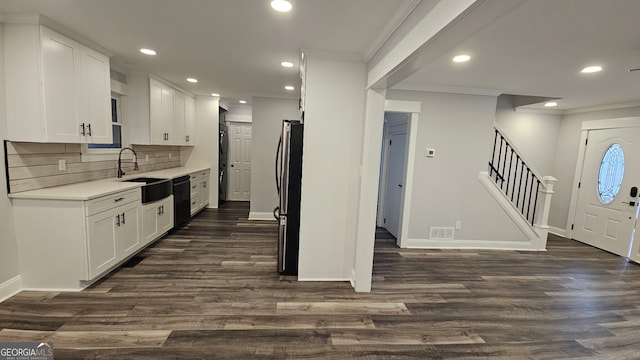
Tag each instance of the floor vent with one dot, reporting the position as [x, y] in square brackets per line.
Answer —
[441, 233]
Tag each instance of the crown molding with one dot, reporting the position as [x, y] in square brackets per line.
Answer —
[395, 21]
[603, 107]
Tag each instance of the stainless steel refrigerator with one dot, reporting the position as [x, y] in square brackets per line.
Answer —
[289, 183]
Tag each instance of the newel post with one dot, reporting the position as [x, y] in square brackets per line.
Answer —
[542, 220]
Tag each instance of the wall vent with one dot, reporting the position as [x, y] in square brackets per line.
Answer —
[441, 233]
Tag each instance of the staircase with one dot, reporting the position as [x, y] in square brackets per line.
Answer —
[522, 192]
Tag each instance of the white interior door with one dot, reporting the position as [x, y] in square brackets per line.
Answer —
[395, 178]
[606, 210]
[239, 162]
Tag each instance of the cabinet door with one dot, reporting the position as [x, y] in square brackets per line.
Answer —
[168, 98]
[128, 232]
[165, 219]
[190, 122]
[158, 132]
[96, 114]
[179, 137]
[204, 191]
[195, 193]
[150, 214]
[61, 80]
[101, 242]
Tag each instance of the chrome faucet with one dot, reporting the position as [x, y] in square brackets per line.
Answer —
[135, 161]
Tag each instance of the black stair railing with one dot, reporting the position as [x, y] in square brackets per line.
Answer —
[516, 179]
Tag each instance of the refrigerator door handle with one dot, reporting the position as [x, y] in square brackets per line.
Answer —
[284, 163]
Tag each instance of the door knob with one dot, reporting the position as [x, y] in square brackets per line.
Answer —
[400, 185]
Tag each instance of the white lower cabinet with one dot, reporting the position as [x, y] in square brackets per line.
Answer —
[157, 219]
[75, 242]
[199, 191]
[111, 236]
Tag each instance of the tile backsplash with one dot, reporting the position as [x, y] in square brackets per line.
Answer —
[33, 166]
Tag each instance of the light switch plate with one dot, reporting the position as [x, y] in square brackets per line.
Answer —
[62, 165]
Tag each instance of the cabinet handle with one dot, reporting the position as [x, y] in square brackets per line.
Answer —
[118, 220]
[82, 132]
[118, 199]
[167, 136]
[123, 220]
[187, 138]
[159, 210]
[204, 184]
[89, 129]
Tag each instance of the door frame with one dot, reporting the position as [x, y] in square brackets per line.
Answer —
[412, 108]
[615, 123]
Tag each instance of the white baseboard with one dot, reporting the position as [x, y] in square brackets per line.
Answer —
[472, 244]
[558, 231]
[353, 278]
[10, 287]
[324, 279]
[261, 216]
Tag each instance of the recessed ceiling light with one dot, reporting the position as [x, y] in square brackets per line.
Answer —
[242, 101]
[550, 104]
[461, 58]
[192, 80]
[215, 94]
[591, 69]
[289, 87]
[281, 5]
[148, 51]
[286, 64]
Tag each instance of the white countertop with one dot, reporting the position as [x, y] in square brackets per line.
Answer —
[94, 189]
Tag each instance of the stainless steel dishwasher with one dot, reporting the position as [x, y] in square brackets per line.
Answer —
[181, 200]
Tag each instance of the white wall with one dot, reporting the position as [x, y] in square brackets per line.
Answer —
[267, 116]
[239, 113]
[8, 246]
[446, 188]
[566, 158]
[206, 150]
[334, 120]
[534, 135]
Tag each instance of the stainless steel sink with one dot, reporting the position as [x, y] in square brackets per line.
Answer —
[154, 188]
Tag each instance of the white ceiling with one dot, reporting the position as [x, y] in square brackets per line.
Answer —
[539, 48]
[234, 47]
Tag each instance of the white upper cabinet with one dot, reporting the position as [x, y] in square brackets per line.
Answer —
[96, 88]
[185, 119]
[159, 113]
[57, 89]
[190, 121]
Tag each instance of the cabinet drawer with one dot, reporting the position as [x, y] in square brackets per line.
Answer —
[110, 201]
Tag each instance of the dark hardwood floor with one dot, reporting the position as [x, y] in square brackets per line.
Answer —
[209, 291]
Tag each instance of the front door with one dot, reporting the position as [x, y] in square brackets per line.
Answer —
[606, 210]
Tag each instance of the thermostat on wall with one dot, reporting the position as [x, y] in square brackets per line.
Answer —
[429, 152]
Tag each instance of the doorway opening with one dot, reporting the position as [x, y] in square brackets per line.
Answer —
[393, 172]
